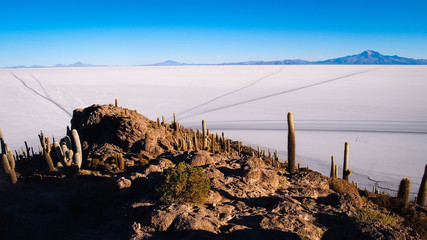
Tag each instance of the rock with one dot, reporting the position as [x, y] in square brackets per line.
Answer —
[267, 178]
[214, 197]
[124, 183]
[182, 217]
[201, 158]
[345, 202]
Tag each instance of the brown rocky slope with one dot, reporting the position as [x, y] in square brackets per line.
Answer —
[251, 195]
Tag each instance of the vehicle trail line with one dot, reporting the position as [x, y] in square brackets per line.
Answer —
[231, 92]
[279, 93]
[41, 95]
[41, 85]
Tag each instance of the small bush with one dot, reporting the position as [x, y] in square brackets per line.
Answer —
[370, 215]
[183, 184]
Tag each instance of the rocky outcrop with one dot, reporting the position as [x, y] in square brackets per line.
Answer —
[249, 199]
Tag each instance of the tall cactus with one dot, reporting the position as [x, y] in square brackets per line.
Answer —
[205, 137]
[422, 192]
[78, 154]
[12, 172]
[332, 167]
[6, 166]
[346, 172]
[213, 140]
[404, 190]
[291, 143]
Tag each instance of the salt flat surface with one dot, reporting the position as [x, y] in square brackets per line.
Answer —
[380, 110]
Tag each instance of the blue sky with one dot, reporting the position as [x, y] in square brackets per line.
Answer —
[141, 32]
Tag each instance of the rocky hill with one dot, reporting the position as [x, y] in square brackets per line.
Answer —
[113, 195]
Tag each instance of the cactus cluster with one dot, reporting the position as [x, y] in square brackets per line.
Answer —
[64, 150]
[45, 143]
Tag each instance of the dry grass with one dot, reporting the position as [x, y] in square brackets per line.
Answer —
[370, 215]
[340, 185]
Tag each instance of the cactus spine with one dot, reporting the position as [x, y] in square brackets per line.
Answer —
[332, 167]
[346, 172]
[78, 146]
[404, 190]
[205, 137]
[422, 192]
[291, 143]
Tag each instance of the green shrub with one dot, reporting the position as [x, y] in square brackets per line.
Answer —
[183, 184]
[370, 215]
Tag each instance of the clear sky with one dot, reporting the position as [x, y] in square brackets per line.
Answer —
[124, 32]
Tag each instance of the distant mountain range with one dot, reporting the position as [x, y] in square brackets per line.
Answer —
[77, 64]
[367, 57]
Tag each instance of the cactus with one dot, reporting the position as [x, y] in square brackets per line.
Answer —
[422, 192]
[12, 172]
[59, 153]
[67, 155]
[346, 172]
[404, 191]
[239, 147]
[115, 102]
[174, 123]
[78, 154]
[163, 120]
[11, 159]
[205, 137]
[28, 150]
[291, 143]
[223, 142]
[6, 166]
[213, 140]
[158, 122]
[8, 170]
[229, 146]
[259, 151]
[45, 143]
[336, 171]
[332, 175]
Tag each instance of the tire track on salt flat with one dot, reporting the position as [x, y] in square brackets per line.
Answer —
[231, 92]
[41, 85]
[41, 95]
[279, 93]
